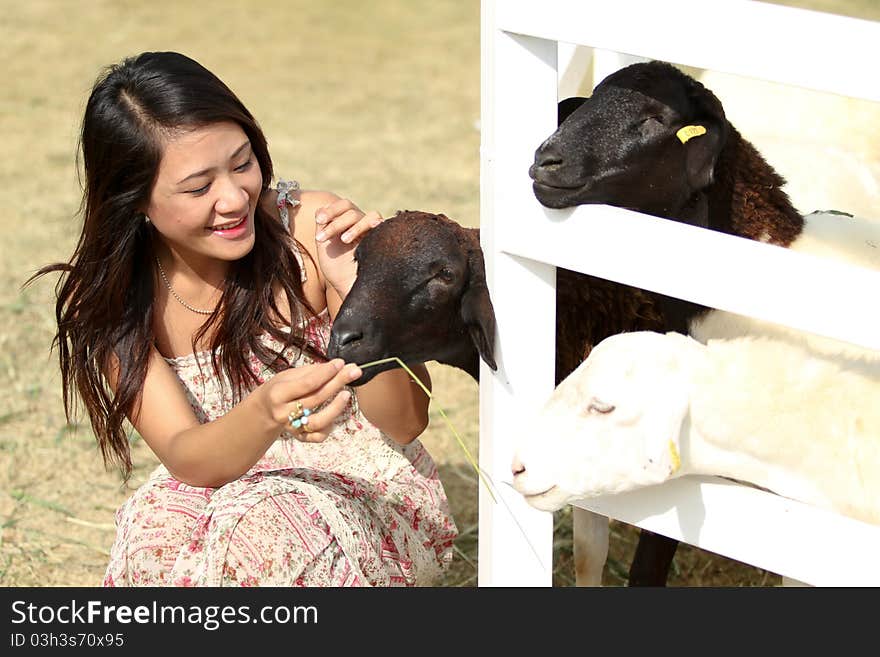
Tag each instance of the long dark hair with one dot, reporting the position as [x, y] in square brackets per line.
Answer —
[105, 294]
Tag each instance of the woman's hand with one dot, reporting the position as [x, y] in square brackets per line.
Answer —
[339, 226]
[288, 394]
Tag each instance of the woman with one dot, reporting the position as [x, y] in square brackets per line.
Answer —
[196, 307]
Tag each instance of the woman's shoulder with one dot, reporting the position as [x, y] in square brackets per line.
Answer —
[314, 199]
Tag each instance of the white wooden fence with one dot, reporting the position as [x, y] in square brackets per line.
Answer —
[523, 242]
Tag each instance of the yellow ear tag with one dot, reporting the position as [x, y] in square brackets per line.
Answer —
[690, 131]
[676, 459]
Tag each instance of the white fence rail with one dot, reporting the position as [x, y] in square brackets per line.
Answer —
[523, 242]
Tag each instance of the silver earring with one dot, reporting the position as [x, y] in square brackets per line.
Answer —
[146, 219]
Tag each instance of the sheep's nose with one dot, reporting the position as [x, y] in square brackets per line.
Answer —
[547, 156]
[517, 468]
[349, 337]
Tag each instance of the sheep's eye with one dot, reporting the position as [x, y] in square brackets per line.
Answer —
[446, 275]
[600, 407]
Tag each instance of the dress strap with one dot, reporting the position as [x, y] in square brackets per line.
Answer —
[286, 189]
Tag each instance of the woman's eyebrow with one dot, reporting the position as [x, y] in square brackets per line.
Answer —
[204, 172]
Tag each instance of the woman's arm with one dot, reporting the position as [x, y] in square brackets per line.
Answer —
[392, 401]
[396, 404]
[220, 451]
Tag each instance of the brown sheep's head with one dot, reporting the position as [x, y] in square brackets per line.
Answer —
[420, 294]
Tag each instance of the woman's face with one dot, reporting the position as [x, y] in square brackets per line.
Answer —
[208, 185]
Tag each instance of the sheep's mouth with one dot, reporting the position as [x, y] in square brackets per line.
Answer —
[556, 197]
[556, 187]
[547, 500]
[532, 498]
[364, 361]
[371, 372]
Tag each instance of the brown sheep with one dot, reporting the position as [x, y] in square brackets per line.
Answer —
[420, 294]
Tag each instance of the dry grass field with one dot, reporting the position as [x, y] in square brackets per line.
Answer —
[377, 101]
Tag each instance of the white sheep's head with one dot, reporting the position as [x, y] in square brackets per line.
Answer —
[612, 425]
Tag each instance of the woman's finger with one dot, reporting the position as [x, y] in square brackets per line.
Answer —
[301, 381]
[332, 210]
[312, 390]
[339, 225]
[316, 426]
[350, 226]
[366, 224]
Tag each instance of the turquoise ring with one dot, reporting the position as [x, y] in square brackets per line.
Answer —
[300, 418]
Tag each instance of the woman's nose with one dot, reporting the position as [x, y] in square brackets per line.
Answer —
[233, 198]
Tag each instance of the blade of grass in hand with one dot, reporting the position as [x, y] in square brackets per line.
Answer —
[470, 458]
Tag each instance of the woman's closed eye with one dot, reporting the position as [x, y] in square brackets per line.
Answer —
[241, 168]
[199, 191]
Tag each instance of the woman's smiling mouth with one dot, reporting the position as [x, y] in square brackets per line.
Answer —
[230, 228]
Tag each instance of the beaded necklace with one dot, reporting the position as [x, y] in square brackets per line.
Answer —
[175, 295]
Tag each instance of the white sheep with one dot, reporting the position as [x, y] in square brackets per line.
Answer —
[648, 407]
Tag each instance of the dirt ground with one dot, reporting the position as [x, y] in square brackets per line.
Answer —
[377, 101]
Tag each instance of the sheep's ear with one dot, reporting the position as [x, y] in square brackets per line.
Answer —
[664, 454]
[667, 441]
[703, 149]
[674, 401]
[566, 108]
[703, 144]
[477, 311]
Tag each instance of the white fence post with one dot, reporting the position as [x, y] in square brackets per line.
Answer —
[519, 238]
[515, 541]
